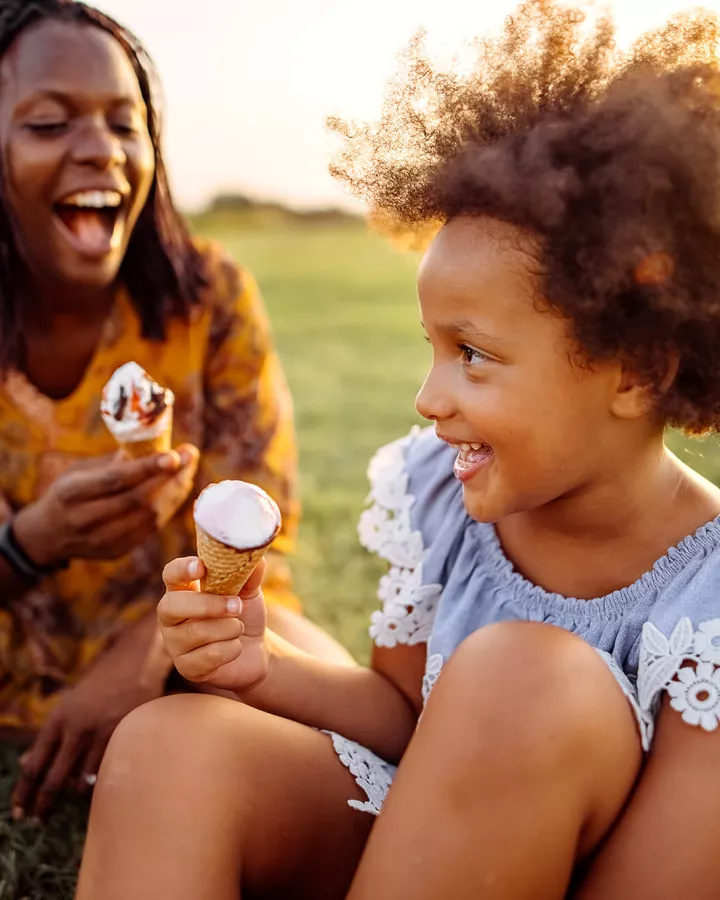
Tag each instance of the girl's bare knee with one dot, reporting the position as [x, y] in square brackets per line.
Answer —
[532, 679]
[163, 737]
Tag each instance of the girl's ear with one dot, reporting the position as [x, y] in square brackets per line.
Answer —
[635, 394]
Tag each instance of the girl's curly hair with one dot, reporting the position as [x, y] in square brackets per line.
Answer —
[612, 159]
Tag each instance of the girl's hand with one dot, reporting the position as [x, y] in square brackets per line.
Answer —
[211, 639]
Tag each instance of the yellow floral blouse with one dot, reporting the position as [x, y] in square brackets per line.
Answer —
[231, 401]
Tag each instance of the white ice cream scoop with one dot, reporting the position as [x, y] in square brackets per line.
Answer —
[134, 407]
[238, 514]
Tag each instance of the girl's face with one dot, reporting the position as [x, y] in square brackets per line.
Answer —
[535, 425]
[77, 156]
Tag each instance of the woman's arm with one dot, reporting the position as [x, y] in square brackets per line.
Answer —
[12, 584]
[665, 846]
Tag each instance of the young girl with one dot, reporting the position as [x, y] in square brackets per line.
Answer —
[546, 671]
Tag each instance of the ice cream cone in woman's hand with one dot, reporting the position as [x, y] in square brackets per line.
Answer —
[235, 524]
[138, 412]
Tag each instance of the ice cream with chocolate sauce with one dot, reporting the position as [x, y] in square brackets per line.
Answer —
[137, 411]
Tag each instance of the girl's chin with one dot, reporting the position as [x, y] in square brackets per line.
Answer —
[481, 509]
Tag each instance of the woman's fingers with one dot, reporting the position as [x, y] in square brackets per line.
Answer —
[201, 664]
[91, 764]
[178, 605]
[59, 773]
[180, 574]
[33, 766]
[195, 633]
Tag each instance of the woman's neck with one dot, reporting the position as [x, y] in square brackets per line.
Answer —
[63, 327]
[57, 308]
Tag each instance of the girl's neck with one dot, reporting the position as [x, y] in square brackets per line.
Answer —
[607, 535]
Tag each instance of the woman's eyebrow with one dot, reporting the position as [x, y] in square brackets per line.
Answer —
[68, 99]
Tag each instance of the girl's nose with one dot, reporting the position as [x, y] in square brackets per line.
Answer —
[435, 399]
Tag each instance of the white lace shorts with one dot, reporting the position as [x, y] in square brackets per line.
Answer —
[374, 775]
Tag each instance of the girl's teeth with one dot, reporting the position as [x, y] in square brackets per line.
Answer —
[475, 446]
[465, 447]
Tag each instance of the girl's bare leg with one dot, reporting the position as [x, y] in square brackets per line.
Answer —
[198, 795]
[524, 757]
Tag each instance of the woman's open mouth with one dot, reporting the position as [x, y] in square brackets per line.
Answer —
[92, 221]
[470, 459]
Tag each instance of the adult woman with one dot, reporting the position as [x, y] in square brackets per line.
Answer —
[98, 269]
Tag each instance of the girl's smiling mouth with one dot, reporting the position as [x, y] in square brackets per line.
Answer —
[472, 456]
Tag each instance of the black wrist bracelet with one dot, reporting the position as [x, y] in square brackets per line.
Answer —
[18, 558]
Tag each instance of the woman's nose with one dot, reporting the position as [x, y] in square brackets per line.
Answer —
[97, 146]
[435, 400]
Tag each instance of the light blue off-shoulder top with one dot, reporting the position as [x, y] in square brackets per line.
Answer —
[448, 577]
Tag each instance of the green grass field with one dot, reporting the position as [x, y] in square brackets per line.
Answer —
[343, 307]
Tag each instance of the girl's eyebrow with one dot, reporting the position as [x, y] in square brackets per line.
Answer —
[467, 328]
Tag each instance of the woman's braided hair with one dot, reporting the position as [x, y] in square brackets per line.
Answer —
[163, 272]
[611, 159]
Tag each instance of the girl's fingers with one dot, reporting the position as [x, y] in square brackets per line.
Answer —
[201, 664]
[177, 606]
[255, 580]
[195, 633]
[179, 574]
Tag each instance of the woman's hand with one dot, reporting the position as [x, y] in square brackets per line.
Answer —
[102, 511]
[214, 640]
[70, 746]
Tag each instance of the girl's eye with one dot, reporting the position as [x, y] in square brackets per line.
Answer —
[471, 356]
[123, 128]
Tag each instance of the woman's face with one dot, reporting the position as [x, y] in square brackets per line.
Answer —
[77, 156]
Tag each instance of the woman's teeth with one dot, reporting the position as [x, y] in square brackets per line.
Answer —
[94, 199]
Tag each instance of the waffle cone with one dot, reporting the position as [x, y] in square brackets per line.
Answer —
[160, 444]
[226, 568]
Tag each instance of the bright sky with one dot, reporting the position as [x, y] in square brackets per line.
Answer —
[249, 83]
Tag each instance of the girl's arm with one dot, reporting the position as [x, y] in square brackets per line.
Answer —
[665, 845]
[224, 642]
[365, 705]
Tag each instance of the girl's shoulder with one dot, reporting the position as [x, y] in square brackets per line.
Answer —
[414, 519]
[413, 496]
[679, 645]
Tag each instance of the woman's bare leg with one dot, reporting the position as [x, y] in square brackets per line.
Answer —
[198, 794]
[524, 757]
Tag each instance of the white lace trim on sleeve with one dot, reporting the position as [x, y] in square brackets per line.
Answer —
[687, 666]
[409, 605]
